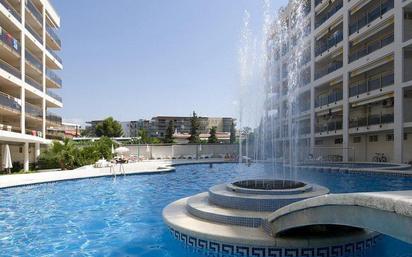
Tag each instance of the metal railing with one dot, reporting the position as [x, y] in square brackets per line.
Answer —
[10, 69]
[53, 35]
[376, 119]
[54, 95]
[329, 69]
[329, 126]
[10, 41]
[54, 77]
[370, 16]
[328, 99]
[371, 47]
[329, 14]
[51, 117]
[53, 53]
[373, 83]
[33, 111]
[9, 102]
[330, 42]
[34, 61]
[11, 9]
[34, 33]
[33, 10]
[34, 83]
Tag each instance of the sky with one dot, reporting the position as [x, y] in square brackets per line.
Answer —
[134, 59]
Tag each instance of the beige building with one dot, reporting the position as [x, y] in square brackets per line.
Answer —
[28, 78]
[355, 80]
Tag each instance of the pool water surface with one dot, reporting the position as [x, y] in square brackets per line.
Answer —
[123, 217]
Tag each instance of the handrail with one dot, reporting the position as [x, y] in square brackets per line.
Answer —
[371, 47]
[331, 68]
[330, 98]
[33, 83]
[53, 35]
[329, 14]
[33, 111]
[329, 126]
[34, 61]
[10, 69]
[54, 54]
[10, 41]
[375, 82]
[330, 42]
[370, 16]
[54, 77]
[9, 102]
[54, 95]
[370, 120]
[11, 9]
[33, 10]
[34, 33]
[51, 117]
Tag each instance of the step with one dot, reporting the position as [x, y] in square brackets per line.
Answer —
[200, 207]
[221, 196]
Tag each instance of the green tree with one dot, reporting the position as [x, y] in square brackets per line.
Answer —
[212, 138]
[109, 128]
[169, 133]
[194, 129]
[233, 133]
[143, 136]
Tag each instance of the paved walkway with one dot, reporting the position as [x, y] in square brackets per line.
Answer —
[145, 167]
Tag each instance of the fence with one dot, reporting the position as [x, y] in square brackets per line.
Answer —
[150, 152]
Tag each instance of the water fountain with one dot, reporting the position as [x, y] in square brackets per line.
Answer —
[232, 218]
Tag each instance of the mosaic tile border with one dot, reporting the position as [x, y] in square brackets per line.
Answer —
[346, 250]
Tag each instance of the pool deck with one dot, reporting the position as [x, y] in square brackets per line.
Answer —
[144, 167]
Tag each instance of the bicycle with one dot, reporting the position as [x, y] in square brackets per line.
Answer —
[380, 157]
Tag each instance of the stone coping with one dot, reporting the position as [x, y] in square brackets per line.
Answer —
[87, 172]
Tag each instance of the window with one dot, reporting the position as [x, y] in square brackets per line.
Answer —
[338, 141]
[389, 137]
[319, 142]
[357, 140]
[373, 138]
[405, 136]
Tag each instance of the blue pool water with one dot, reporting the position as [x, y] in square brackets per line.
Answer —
[103, 217]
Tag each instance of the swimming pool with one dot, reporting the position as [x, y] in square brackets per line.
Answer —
[103, 217]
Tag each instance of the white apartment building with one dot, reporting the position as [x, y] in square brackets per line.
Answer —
[355, 81]
[28, 78]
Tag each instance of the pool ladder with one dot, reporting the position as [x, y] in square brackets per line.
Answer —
[121, 169]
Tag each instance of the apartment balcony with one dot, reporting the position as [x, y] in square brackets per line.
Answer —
[52, 79]
[10, 69]
[329, 11]
[35, 17]
[372, 11]
[332, 40]
[33, 111]
[370, 47]
[332, 126]
[371, 120]
[54, 54]
[54, 95]
[304, 130]
[10, 47]
[53, 40]
[332, 97]
[327, 69]
[34, 67]
[9, 103]
[53, 118]
[11, 9]
[34, 83]
[377, 82]
[35, 34]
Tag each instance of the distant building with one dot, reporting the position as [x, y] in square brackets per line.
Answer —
[182, 125]
[131, 128]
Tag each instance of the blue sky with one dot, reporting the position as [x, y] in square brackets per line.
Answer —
[136, 59]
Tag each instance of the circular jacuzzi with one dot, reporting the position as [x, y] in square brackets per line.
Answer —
[269, 186]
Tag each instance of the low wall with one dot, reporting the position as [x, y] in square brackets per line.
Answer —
[180, 151]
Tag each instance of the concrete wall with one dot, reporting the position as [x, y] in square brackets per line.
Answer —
[176, 151]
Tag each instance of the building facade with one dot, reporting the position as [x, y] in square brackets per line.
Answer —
[28, 78]
[355, 80]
